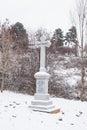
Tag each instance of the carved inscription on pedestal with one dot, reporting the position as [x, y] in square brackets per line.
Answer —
[40, 86]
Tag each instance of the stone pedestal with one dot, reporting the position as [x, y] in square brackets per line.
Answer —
[42, 101]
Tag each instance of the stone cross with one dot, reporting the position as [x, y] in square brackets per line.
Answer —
[42, 44]
[42, 100]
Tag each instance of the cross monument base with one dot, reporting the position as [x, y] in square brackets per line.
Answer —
[42, 101]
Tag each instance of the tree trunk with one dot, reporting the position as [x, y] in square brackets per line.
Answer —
[2, 84]
[82, 82]
[3, 69]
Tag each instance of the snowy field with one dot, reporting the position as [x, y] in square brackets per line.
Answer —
[15, 114]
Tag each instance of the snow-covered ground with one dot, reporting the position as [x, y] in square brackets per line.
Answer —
[15, 114]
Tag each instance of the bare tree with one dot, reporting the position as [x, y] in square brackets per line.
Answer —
[81, 23]
[5, 48]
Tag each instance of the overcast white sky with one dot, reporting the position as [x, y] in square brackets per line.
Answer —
[50, 14]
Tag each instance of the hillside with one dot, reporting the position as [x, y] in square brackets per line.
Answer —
[66, 75]
[65, 72]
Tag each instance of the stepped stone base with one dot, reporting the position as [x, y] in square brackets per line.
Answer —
[42, 105]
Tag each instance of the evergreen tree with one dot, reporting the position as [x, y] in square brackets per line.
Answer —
[20, 37]
[58, 37]
[71, 35]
